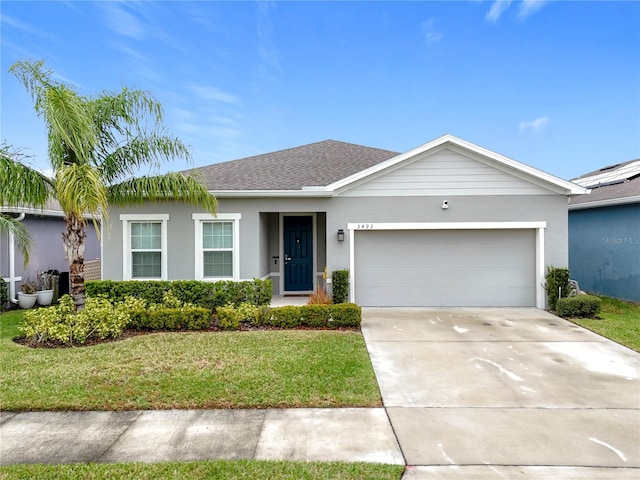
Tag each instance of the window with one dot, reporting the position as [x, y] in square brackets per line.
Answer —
[217, 255]
[144, 246]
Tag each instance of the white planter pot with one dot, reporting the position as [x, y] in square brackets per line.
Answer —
[27, 300]
[45, 297]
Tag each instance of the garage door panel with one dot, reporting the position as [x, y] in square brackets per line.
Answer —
[445, 268]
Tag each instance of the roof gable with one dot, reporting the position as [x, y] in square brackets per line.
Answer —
[497, 162]
[445, 171]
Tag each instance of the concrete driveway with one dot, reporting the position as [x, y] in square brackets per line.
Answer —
[505, 393]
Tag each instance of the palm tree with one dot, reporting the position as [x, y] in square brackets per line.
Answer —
[96, 145]
[12, 172]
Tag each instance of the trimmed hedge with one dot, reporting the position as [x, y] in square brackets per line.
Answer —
[163, 318]
[579, 306]
[209, 295]
[312, 316]
[340, 286]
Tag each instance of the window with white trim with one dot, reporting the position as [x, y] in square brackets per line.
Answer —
[216, 248]
[144, 246]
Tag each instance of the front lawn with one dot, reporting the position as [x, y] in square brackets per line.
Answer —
[618, 321]
[228, 470]
[189, 370]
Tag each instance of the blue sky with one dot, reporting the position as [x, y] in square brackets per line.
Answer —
[554, 84]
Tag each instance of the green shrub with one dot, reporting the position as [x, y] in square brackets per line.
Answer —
[209, 295]
[557, 285]
[340, 285]
[315, 315]
[286, 317]
[99, 319]
[579, 306]
[346, 315]
[4, 294]
[262, 315]
[228, 317]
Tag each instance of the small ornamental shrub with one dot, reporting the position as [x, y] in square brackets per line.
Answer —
[262, 315]
[557, 285]
[315, 316]
[228, 317]
[4, 294]
[579, 306]
[346, 315]
[286, 317]
[340, 285]
[319, 297]
[59, 324]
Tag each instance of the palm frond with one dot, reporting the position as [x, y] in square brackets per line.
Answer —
[172, 186]
[21, 235]
[20, 185]
[80, 190]
[71, 131]
[148, 151]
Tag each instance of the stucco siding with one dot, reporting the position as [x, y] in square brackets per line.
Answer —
[604, 245]
[445, 172]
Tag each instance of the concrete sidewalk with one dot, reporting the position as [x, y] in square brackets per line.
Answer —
[350, 435]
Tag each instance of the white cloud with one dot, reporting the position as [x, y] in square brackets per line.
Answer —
[431, 34]
[525, 10]
[122, 22]
[212, 93]
[529, 7]
[534, 126]
[497, 9]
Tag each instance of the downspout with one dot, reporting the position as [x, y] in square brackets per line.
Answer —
[12, 263]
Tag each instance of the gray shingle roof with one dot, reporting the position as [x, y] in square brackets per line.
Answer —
[316, 164]
[626, 186]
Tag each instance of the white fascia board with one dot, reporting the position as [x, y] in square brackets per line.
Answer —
[305, 192]
[611, 202]
[567, 187]
[445, 225]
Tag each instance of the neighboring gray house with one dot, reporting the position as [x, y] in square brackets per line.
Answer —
[46, 227]
[604, 232]
[448, 223]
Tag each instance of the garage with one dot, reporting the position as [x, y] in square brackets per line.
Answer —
[432, 266]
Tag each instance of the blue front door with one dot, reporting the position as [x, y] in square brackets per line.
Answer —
[298, 254]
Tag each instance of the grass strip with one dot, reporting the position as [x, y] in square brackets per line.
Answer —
[219, 469]
[618, 321]
[189, 370]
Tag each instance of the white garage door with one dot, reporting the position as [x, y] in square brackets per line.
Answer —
[445, 268]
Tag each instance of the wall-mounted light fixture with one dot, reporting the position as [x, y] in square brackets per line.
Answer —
[341, 235]
[445, 204]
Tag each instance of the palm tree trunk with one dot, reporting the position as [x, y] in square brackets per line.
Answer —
[73, 241]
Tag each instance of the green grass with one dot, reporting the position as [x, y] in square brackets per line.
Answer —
[619, 321]
[261, 369]
[222, 469]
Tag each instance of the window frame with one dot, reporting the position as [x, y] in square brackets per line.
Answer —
[199, 220]
[128, 219]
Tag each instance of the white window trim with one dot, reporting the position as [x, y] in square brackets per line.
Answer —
[539, 228]
[127, 219]
[199, 219]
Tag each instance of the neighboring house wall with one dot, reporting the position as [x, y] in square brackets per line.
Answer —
[604, 248]
[47, 252]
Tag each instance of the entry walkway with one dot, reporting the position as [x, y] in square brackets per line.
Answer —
[505, 393]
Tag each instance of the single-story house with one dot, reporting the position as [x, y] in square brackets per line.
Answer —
[47, 253]
[604, 232]
[448, 223]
